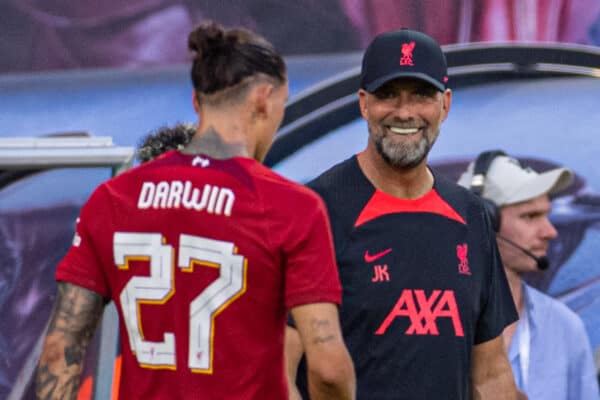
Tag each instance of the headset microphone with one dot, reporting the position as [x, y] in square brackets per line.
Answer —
[542, 262]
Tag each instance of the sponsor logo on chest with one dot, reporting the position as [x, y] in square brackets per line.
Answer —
[423, 312]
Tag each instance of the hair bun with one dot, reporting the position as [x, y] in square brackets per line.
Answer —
[225, 57]
[209, 39]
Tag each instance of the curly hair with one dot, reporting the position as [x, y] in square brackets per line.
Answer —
[164, 139]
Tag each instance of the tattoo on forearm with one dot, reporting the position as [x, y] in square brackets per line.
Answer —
[322, 329]
[48, 386]
[73, 322]
[320, 323]
[45, 382]
[73, 355]
[76, 313]
[323, 339]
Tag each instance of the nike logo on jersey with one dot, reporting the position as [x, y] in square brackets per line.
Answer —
[370, 258]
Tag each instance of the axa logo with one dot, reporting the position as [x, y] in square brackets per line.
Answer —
[407, 54]
[463, 261]
[423, 312]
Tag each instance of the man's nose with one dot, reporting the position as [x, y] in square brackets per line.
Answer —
[404, 106]
[548, 230]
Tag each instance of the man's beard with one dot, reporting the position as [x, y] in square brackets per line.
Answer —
[402, 155]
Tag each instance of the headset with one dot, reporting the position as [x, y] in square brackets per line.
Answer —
[480, 169]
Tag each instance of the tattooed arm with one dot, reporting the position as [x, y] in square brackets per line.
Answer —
[293, 355]
[330, 368]
[73, 322]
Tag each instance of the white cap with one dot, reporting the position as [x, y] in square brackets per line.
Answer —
[507, 182]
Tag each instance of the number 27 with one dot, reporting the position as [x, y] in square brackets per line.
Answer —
[159, 286]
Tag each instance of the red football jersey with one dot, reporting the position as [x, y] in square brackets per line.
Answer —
[202, 258]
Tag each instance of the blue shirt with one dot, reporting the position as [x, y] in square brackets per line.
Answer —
[560, 365]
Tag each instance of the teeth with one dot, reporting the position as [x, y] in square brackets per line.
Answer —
[403, 131]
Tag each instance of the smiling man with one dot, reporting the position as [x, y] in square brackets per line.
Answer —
[425, 297]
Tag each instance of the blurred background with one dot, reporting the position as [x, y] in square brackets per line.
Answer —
[525, 75]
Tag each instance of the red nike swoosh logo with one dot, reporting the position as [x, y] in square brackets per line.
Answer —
[370, 258]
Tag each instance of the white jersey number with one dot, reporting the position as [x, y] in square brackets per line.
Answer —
[159, 286]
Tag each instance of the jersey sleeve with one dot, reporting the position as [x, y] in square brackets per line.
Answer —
[82, 264]
[311, 274]
[498, 310]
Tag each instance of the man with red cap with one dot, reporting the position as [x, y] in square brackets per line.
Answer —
[425, 297]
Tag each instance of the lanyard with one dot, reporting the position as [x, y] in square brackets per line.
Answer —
[524, 345]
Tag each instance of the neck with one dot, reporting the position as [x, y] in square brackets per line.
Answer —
[410, 183]
[516, 288]
[217, 145]
[222, 133]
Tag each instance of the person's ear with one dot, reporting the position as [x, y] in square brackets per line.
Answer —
[195, 102]
[446, 103]
[362, 102]
[260, 100]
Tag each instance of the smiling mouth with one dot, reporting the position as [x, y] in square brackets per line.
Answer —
[403, 131]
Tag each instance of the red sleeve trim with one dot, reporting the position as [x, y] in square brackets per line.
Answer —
[79, 280]
[300, 299]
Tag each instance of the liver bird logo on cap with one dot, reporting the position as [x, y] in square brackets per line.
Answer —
[407, 54]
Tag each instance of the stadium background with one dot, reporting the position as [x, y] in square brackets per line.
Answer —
[119, 69]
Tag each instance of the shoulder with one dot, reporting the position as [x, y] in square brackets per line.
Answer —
[274, 186]
[341, 181]
[551, 309]
[462, 200]
[454, 193]
[101, 194]
[131, 174]
[345, 190]
[337, 176]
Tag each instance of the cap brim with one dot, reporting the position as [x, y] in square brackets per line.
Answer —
[376, 84]
[545, 183]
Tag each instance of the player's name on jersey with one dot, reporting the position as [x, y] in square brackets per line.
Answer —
[182, 194]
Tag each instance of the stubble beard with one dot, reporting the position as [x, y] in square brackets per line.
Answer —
[402, 155]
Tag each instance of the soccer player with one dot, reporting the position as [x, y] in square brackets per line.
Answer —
[203, 251]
